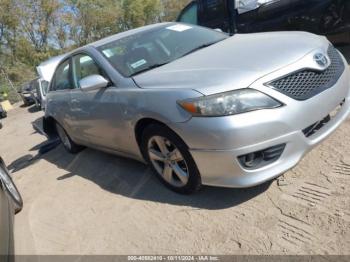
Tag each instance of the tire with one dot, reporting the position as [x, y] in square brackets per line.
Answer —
[3, 114]
[13, 192]
[67, 142]
[184, 177]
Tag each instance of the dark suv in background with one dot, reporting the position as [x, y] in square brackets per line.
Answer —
[323, 17]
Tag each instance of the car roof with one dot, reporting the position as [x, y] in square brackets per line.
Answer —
[127, 33]
[47, 68]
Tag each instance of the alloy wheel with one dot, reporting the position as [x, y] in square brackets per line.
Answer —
[168, 161]
[63, 136]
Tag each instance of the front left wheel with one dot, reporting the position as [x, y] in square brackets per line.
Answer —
[67, 142]
[170, 158]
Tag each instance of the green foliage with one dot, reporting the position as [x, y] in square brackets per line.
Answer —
[140, 12]
[171, 9]
[92, 20]
[6, 92]
[18, 74]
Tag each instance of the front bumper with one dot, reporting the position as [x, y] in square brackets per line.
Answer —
[28, 97]
[216, 143]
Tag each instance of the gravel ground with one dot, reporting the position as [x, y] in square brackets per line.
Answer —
[95, 203]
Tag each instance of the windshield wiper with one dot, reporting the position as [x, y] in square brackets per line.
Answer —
[149, 68]
[199, 47]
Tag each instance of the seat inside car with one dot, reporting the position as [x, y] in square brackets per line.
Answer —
[138, 58]
[118, 61]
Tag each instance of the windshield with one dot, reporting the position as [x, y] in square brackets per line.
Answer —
[153, 48]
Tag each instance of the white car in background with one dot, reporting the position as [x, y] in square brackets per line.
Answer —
[45, 71]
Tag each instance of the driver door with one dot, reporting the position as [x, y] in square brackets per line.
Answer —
[94, 113]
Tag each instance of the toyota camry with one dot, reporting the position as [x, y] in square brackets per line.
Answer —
[10, 203]
[200, 107]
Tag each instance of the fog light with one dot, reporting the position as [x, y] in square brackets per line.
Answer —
[251, 160]
[261, 158]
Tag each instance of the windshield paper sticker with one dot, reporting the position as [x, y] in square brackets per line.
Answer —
[138, 63]
[108, 53]
[179, 28]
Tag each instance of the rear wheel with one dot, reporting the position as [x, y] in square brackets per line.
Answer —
[3, 114]
[169, 157]
[11, 187]
[67, 142]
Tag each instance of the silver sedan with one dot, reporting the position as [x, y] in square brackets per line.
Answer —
[10, 203]
[198, 106]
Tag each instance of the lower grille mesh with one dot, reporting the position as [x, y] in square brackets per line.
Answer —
[315, 127]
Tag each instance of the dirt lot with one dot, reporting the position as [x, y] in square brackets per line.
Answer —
[95, 203]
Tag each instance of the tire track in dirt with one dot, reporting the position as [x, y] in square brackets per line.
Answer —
[320, 197]
[343, 214]
[295, 232]
[342, 169]
[312, 194]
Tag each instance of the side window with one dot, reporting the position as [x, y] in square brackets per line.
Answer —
[83, 66]
[62, 78]
[189, 14]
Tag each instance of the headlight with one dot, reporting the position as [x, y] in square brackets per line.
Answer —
[229, 103]
[10, 186]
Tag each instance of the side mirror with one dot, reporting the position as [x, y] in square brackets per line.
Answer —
[93, 82]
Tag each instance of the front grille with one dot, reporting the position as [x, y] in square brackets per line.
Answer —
[307, 83]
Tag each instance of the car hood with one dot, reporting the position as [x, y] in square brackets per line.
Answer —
[47, 69]
[233, 63]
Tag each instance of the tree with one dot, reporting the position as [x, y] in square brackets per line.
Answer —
[171, 9]
[33, 30]
[92, 20]
[9, 27]
[140, 12]
[37, 20]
